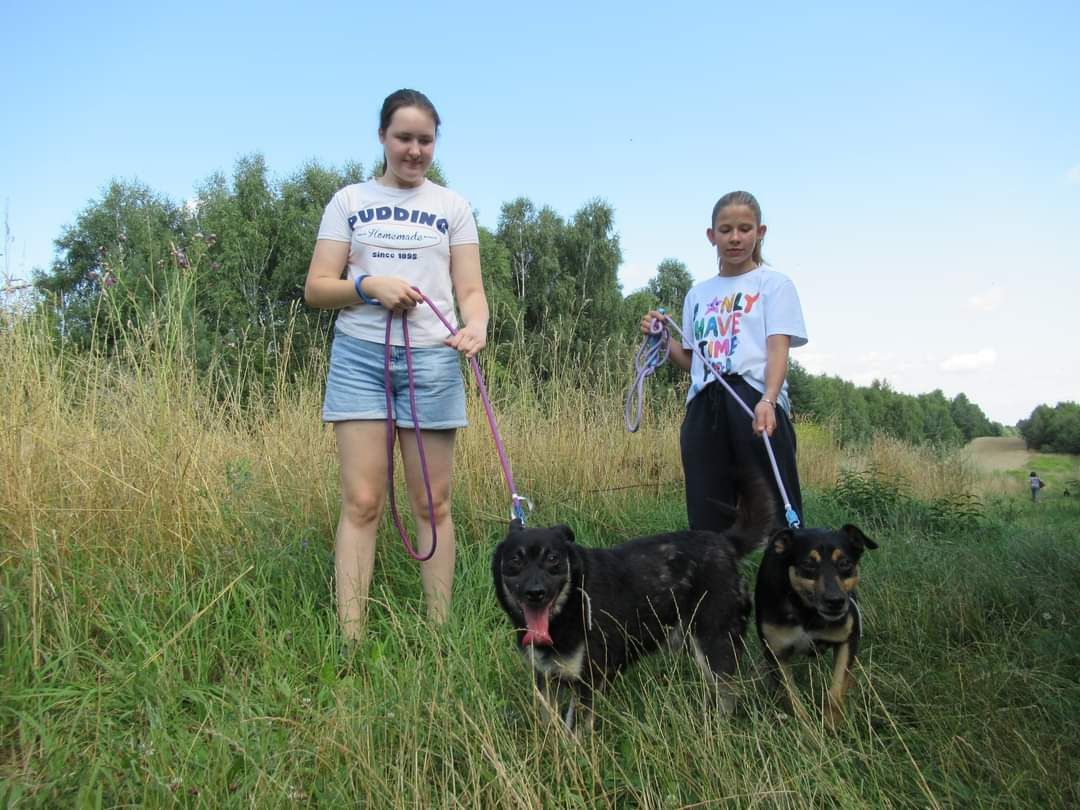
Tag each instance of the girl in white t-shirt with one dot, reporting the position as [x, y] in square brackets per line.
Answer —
[377, 242]
[745, 320]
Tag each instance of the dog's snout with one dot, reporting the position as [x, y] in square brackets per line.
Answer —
[536, 595]
[834, 603]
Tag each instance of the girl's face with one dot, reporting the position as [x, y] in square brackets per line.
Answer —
[409, 146]
[735, 233]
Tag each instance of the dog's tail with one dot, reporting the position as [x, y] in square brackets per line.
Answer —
[757, 516]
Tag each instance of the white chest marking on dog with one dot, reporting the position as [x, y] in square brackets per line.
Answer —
[567, 667]
[784, 639]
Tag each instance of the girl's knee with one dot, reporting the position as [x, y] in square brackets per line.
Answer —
[440, 505]
[361, 508]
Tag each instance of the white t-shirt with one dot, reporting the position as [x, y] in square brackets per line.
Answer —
[402, 232]
[729, 318]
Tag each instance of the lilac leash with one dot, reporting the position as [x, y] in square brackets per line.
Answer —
[662, 335]
[519, 503]
[652, 354]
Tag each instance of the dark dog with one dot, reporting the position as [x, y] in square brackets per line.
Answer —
[584, 614]
[805, 601]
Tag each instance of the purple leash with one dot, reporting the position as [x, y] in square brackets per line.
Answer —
[389, 385]
[652, 354]
[519, 503]
[661, 334]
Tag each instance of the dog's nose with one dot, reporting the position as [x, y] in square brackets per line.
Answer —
[835, 604]
[536, 594]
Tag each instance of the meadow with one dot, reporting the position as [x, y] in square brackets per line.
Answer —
[169, 636]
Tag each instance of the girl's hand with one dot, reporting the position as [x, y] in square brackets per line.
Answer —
[764, 417]
[469, 339]
[647, 321]
[393, 293]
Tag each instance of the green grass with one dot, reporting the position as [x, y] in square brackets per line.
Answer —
[168, 634]
[213, 676]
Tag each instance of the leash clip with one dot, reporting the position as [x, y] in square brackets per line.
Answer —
[792, 518]
[517, 510]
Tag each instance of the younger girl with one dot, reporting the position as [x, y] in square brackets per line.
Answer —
[745, 319]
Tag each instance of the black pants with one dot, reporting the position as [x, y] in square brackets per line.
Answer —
[721, 453]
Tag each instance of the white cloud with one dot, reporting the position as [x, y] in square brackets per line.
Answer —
[989, 301]
[975, 361]
[1073, 175]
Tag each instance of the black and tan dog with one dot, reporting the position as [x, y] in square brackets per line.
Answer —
[584, 614]
[805, 602]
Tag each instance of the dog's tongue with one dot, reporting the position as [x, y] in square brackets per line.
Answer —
[536, 626]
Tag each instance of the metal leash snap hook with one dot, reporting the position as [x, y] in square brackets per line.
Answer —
[517, 510]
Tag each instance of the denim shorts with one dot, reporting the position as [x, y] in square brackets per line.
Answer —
[355, 387]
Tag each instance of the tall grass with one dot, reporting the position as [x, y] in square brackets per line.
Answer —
[169, 635]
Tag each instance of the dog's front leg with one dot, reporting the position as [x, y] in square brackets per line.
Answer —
[782, 681]
[585, 717]
[551, 691]
[547, 689]
[841, 680]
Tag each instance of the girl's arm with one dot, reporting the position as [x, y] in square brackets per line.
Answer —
[678, 354]
[326, 289]
[471, 300]
[777, 347]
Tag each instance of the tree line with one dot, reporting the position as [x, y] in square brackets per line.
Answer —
[1053, 430]
[240, 252]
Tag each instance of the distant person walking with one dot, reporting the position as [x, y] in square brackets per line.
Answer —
[1036, 485]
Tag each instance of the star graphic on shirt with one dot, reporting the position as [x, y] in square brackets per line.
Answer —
[714, 306]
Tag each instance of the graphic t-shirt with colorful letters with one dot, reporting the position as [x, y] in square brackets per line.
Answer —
[402, 232]
[729, 319]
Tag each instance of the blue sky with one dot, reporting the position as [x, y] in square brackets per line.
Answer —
[918, 164]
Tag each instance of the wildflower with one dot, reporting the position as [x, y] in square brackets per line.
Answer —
[179, 256]
[215, 265]
[122, 237]
[109, 280]
[211, 239]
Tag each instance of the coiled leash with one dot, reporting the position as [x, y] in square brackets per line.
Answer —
[519, 504]
[651, 354]
[658, 332]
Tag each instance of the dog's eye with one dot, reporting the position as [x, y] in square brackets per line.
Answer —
[807, 570]
[845, 567]
[552, 558]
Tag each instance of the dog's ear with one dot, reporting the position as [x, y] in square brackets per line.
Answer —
[781, 541]
[565, 532]
[858, 539]
[515, 526]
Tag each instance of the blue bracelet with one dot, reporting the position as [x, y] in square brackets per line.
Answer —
[367, 299]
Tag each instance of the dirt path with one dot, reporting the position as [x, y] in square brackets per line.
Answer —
[992, 453]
